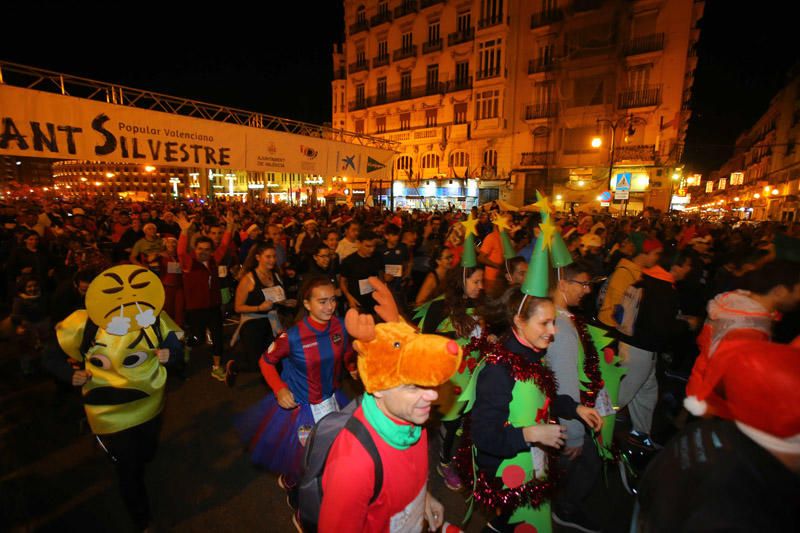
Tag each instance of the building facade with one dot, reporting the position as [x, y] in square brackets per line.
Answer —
[761, 180]
[498, 98]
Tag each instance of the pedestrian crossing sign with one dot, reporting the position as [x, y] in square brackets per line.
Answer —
[623, 181]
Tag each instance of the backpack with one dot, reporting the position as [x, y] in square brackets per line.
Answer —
[626, 312]
[318, 446]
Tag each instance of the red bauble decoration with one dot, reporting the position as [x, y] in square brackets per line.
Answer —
[513, 476]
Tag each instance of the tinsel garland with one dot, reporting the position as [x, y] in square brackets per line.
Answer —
[487, 487]
[591, 363]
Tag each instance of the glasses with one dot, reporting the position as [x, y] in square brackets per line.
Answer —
[324, 256]
[584, 284]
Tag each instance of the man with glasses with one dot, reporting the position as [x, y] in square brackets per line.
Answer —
[579, 460]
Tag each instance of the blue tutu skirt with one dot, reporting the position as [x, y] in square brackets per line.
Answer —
[271, 434]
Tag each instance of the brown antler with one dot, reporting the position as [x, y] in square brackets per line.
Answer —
[361, 327]
[387, 307]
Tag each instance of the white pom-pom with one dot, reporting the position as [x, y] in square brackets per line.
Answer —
[695, 406]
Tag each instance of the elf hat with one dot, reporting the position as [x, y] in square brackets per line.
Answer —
[761, 385]
[469, 258]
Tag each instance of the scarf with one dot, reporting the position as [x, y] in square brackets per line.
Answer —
[398, 436]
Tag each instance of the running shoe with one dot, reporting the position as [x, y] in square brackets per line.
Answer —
[643, 440]
[218, 373]
[451, 478]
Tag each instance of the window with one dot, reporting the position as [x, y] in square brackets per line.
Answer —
[543, 94]
[380, 125]
[432, 79]
[492, 10]
[460, 113]
[433, 32]
[489, 58]
[383, 48]
[404, 162]
[463, 24]
[546, 54]
[381, 89]
[588, 91]
[462, 73]
[405, 84]
[405, 121]
[359, 126]
[430, 117]
[361, 14]
[430, 161]
[383, 7]
[408, 40]
[644, 24]
[639, 78]
[459, 158]
[360, 96]
[361, 55]
[490, 159]
[486, 104]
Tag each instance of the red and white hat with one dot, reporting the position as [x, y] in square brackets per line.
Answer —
[757, 384]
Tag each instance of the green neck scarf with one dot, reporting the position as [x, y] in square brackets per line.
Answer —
[398, 436]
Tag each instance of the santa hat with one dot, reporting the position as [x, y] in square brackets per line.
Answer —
[757, 384]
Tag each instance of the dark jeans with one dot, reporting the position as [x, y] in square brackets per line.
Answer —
[130, 451]
[256, 336]
[449, 431]
[200, 319]
[578, 477]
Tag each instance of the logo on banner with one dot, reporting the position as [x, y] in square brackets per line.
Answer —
[348, 161]
[308, 152]
[373, 165]
[271, 148]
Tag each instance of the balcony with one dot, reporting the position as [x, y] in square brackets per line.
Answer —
[579, 6]
[488, 73]
[406, 8]
[545, 18]
[644, 44]
[380, 18]
[649, 96]
[403, 53]
[432, 46]
[458, 85]
[488, 22]
[536, 159]
[635, 152]
[459, 37]
[380, 61]
[339, 73]
[409, 93]
[359, 26]
[358, 66]
[540, 65]
[428, 3]
[536, 111]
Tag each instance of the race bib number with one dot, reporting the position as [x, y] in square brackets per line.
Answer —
[173, 267]
[274, 294]
[410, 519]
[537, 455]
[222, 271]
[603, 403]
[394, 270]
[364, 287]
[319, 410]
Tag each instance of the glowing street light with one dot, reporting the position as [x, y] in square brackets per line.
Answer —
[149, 168]
[756, 196]
[109, 174]
[597, 142]
[774, 192]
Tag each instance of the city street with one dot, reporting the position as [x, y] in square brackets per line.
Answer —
[56, 478]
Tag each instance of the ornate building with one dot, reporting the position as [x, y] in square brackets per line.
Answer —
[498, 98]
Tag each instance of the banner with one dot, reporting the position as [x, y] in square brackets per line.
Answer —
[40, 124]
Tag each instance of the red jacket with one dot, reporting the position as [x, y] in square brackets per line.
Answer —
[200, 282]
[349, 477]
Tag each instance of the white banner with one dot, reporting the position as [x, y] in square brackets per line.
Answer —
[40, 124]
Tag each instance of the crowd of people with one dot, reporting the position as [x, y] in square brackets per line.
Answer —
[633, 324]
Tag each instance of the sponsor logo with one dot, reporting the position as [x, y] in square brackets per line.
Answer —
[336, 338]
[308, 152]
[373, 165]
[348, 162]
[271, 148]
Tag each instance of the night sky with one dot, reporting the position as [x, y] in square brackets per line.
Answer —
[280, 62]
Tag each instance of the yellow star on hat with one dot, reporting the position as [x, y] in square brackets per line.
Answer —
[501, 221]
[470, 225]
[548, 229]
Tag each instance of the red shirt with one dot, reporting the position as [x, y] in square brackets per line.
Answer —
[349, 479]
[201, 282]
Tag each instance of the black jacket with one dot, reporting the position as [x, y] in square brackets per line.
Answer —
[657, 328]
[494, 439]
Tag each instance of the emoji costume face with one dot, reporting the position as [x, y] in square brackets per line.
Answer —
[127, 384]
[124, 299]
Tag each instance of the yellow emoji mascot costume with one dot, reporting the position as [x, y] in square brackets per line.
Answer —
[122, 339]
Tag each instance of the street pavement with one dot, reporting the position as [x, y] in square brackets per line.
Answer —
[54, 476]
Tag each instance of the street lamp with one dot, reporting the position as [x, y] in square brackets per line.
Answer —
[628, 121]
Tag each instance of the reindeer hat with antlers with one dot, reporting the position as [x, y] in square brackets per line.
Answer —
[394, 353]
